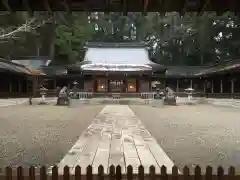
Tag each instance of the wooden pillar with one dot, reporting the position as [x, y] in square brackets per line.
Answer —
[10, 85]
[106, 85]
[232, 86]
[54, 83]
[204, 86]
[149, 85]
[221, 86]
[212, 87]
[177, 90]
[27, 86]
[19, 86]
[35, 83]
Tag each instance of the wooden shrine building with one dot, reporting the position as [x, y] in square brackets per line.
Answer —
[14, 79]
[117, 67]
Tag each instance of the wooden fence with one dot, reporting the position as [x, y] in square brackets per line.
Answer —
[116, 174]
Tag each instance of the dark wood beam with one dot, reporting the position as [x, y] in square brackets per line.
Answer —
[47, 6]
[184, 7]
[107, 3]
[6, 5]
[162, 8]
[203, 4]
[221, 6]
[124, 5]
[145, 7]
[66, 6]
[27, 6]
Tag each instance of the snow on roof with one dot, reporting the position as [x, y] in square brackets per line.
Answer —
[120, 56]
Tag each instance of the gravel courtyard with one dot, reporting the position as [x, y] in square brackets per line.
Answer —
[33, 135]
[191, 135]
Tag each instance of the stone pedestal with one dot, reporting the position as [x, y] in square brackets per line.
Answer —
[63, 101]
[170, 100]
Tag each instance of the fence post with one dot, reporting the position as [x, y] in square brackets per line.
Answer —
[100, 172]
[77, 172]
[129, 172]
[32, 173]
[20, 173]
[220, 173]
[66, 174]
[208, 173]
[186, 173]
[43, 174]
[112, 172]
[89, 173]
[197, 173]
[164, 173]
[152, 172]
[140, 172]
[55, 173]
[8, 173]
[231, 173]
[174, 173]
[118, 172]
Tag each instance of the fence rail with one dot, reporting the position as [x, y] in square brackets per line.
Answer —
[115, 173]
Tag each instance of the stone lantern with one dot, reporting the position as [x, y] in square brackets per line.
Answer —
[189, 92]
[43, 92]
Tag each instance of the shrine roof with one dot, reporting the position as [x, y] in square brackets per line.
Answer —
[221, 67]
[33, 63]
[118, 57]
[6, 65]
[183, 71]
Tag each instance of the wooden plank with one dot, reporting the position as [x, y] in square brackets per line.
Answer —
[83, 152]
[138, 132]
[147, 147]
[117, 152]
[70, 159]
[98, 146]
[160, 156]
[102, 154]
[87, 155]
[146, 157]
[130, 152]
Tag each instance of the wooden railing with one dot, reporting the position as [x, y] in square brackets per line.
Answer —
[211, 95]
[117, 174]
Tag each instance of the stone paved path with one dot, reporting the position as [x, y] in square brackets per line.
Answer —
[11, 102]
[116, 136]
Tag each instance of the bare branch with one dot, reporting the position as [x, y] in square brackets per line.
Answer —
[30, 25]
